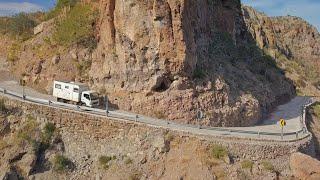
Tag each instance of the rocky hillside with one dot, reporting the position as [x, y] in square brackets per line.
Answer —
[293, 43]
[166, 59]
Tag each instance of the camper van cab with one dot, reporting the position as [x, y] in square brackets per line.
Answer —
[77, 93]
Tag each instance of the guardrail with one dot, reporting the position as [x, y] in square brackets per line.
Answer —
[159, 122]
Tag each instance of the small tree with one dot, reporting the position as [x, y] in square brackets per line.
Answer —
[21, 25]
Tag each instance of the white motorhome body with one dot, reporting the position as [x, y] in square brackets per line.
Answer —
[75, 92]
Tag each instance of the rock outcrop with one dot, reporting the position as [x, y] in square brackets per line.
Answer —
[304, 166]
[170, 58]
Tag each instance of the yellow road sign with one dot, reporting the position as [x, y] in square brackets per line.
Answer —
[282, 123]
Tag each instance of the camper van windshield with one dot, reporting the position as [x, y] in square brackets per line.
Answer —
[94, 96]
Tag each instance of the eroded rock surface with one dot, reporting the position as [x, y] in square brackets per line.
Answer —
[304, 166]
[169, 58]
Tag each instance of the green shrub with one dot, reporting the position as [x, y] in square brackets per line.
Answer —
[13, 52]
[104, 161]
[267, 166]
[61, 163]
[218, 152]
[247, 164]
[316, 109]
[3, 108]
[20, 25]
[76, 27]
[48, 132]
[58, 8]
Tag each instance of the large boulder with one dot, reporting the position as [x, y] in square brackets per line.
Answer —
[305, 167]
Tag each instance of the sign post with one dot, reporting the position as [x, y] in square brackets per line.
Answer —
[282, 124]
[199, 117]
[107, 104]
[23, 84]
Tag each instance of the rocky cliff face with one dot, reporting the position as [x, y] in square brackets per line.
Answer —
[170, 58]
[166, 59]
[294, 43]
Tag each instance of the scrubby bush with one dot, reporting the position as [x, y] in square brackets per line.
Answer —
[28, 131]
[104, 161]
[218, 152]
[20, 25]
[76, 27]
[61, 163]
[13, 52]
[267, 166]
[59, 7]
[3, 108]
[247, 164]
[48, 132]
[316, 109]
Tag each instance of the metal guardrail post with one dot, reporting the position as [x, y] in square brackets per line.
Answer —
[136, 118]
[297, 135]
[258, 134]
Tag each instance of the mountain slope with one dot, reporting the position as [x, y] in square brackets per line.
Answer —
[293, 43]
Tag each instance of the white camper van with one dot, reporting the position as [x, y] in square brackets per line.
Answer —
[75, 93]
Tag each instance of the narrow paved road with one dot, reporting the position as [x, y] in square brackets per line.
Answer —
[291, 112]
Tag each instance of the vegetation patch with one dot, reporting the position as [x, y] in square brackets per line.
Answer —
[316, 110]
[13, 52]
[61, 163]
[247, 164]
[77, 27]
[3, 108]
[105, 160]
[267, 166]
[218, 152]
[18, 26]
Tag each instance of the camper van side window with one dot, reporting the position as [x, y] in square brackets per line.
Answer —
[58, 86]
[67, 87]
[76, 90]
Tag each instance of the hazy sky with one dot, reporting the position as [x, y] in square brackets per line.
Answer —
[307, 9]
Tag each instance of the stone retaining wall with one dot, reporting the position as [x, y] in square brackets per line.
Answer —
[99, 128]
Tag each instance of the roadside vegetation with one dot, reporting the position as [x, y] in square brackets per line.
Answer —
[75, 25]
[61, 163]
[218, 152]
[316, 110]
[19, 26]
[247, 164]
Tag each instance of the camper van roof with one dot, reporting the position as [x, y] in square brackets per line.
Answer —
[75, 83]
